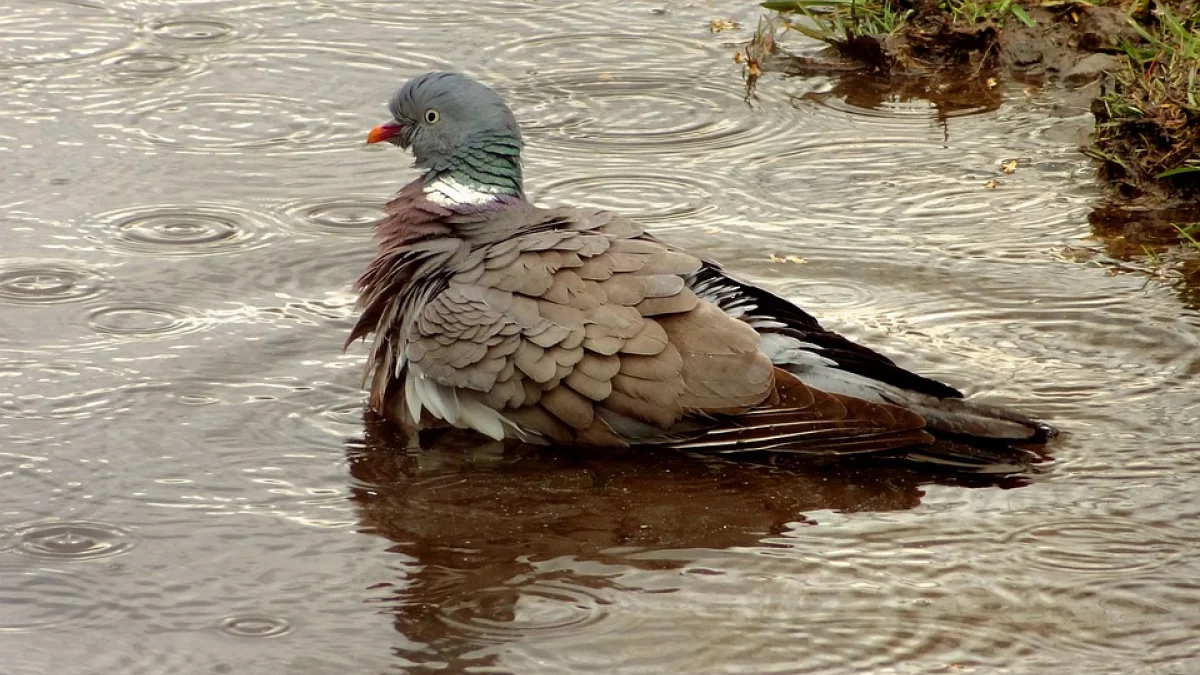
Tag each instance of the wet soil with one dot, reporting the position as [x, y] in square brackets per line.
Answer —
[1070, 47]
[1061, 46]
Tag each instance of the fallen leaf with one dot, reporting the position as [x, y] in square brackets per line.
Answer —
[718, 25]
[1008, 165]
[991, 184]
[992, 83]
[794, 259]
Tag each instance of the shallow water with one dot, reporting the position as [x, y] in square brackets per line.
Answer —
[187, 484]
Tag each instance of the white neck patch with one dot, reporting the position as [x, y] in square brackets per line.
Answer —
[446, 191]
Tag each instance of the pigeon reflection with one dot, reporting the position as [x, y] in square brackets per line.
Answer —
[482, 525]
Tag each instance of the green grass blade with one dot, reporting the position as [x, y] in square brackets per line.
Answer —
[1021, 14]
[1179, 170]
[1186, 233]
[799, 5]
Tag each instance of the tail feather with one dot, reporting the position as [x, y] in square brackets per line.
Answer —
[970, 420]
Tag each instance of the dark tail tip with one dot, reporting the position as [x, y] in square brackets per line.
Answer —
[1042, 432]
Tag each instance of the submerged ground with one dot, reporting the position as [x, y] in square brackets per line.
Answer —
[187, 484]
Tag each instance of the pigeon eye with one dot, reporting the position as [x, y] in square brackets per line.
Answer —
[432, 116]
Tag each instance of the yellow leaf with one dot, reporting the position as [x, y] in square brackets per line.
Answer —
[718, 25]
[794, 259]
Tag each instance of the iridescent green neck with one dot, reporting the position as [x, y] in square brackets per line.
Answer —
[486, 169]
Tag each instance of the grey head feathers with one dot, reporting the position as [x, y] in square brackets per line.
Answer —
[443, 113]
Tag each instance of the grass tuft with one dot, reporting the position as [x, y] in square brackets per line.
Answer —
[1148, 127]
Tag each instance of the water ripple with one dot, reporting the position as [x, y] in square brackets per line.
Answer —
[176, 230]
[337, 215]
[636, 114]
[432, 12]
[39, 599]
[869, 99]
[900, 110]
[603, 53]
[320, 275]
[542, 609]
[342, 418]
[259, 112]
[829, 293]
[646, 197]
[143, 319]
[303, 481]
[188, 30]
[309, 415]
[146, 67]
[1145, 619]
[34, 32]
[34, 281]
[62, 389]
[1095, 545]
[25, 475]
[254, 626]
[73, 540]
[798, 178]
[225, 122]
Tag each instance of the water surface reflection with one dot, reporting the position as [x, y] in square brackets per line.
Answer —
[517, 544]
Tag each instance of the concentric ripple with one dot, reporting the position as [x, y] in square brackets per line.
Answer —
[33, 281]
[541, 609]
[73, 541]
[636, 114]
[828, 294]
[198, 30]
[645, 197]
[285, 102]
[254, 626]
[780, 173]
[36, 32]
[142, 68]
[225, 122]
[1098, 545]
[68, 390]
[174, 230]
[129, 320]
[338, 215]
[309, 416]
[606, 53]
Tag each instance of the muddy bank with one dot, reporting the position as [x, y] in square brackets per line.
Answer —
[1134, 66]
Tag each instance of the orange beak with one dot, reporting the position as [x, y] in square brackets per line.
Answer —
[385, 132]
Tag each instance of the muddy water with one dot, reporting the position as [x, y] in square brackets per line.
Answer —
[187, 484]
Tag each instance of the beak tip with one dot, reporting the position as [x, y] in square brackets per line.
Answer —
[384, 132]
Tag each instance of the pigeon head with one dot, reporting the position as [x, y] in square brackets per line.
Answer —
[442, 115]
